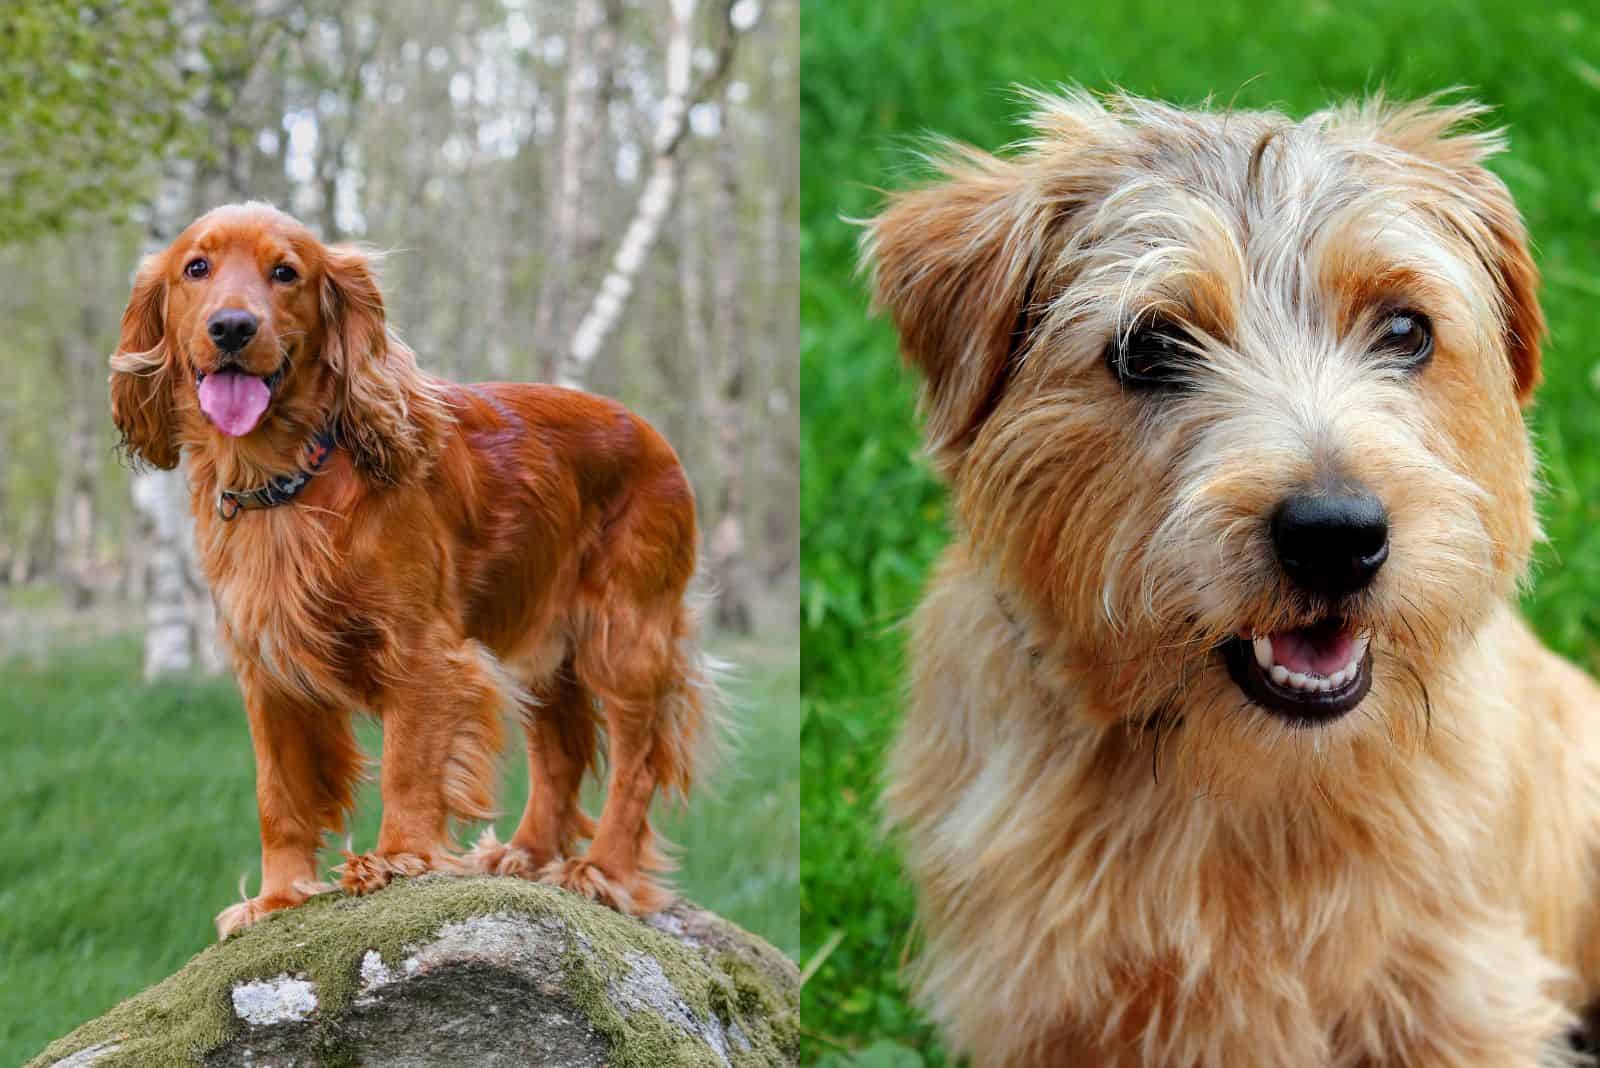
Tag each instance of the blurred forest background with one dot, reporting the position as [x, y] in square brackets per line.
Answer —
[601, 192]
[597, 192]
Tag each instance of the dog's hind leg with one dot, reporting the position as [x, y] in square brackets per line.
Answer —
[559, 720]
[442, 730]
[638, 660]
[307, 766]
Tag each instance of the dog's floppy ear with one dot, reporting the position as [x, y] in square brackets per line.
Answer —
[142, 375]
[1476, 205]
[1503, 247]
[387, 413]
[953, 262]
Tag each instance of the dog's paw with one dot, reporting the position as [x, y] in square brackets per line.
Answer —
[494, 857]
[236, 918]
[367, 873]
[636, 896]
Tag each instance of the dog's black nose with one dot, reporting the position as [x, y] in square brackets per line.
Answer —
[231, 328]
[1331, 543]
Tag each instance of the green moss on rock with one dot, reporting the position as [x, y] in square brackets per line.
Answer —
[728, 998]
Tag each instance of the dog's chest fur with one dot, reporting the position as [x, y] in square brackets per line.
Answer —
[286, 611]
[1149, 904]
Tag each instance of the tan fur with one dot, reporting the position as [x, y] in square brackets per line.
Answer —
[1122, 860]
[465, 554]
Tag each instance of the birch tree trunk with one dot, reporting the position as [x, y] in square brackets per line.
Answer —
[180, 619]
[727, 367]
[655, 200]
[180, 625]
[345, 56]
[174, 620]
[80, 468]
[691, 290]
[591, 54]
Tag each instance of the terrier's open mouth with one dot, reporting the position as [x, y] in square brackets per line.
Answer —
[1310, 675]
[235, 401]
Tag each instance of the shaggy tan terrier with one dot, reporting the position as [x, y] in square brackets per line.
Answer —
[1226, 745]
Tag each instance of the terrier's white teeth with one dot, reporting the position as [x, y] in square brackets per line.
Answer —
[1305, 682]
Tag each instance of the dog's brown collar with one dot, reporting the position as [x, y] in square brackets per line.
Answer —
[284, 488]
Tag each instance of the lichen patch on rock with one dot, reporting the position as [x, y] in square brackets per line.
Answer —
[374, 974]
[85, 1057]
[646, 987]
[283, 999]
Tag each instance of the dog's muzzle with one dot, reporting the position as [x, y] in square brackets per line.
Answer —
[1308, 676]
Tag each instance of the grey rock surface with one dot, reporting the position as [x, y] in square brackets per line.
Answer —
[450, 971]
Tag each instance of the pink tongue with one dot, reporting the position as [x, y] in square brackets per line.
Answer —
[1312, 652]
[234, 401]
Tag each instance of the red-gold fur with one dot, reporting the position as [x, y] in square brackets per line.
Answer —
[1122, 859]
[466, 551]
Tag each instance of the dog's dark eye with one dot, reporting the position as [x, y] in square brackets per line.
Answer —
[1156, 355]
[284, 273]
[197, 268]
[1405, 336]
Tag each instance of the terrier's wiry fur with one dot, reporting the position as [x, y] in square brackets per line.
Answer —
[1124, 857]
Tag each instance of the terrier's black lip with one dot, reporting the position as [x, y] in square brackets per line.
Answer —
[1297, 708]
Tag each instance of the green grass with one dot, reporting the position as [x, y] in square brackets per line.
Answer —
[130, 813]
[877, 75]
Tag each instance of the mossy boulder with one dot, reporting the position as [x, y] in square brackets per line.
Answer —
[450, 971]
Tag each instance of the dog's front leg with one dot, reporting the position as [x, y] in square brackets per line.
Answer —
[307, 765]
[442, 727]
[1472, 993]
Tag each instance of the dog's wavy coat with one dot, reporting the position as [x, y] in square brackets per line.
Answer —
[460, 552]
[1226, 746]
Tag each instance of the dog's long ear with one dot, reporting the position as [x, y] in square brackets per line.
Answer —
[953, 262]
[1502, 244]
[142, 375]
[387, 412]
[1475, 204]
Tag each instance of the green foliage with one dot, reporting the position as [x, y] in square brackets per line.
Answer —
[877, 77]
[96, 96]
[89, 95]
[881, 1054]
[134, 807]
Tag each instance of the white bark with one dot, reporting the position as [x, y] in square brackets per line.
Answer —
[172, 609]
[180, 627]
[656, 198]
